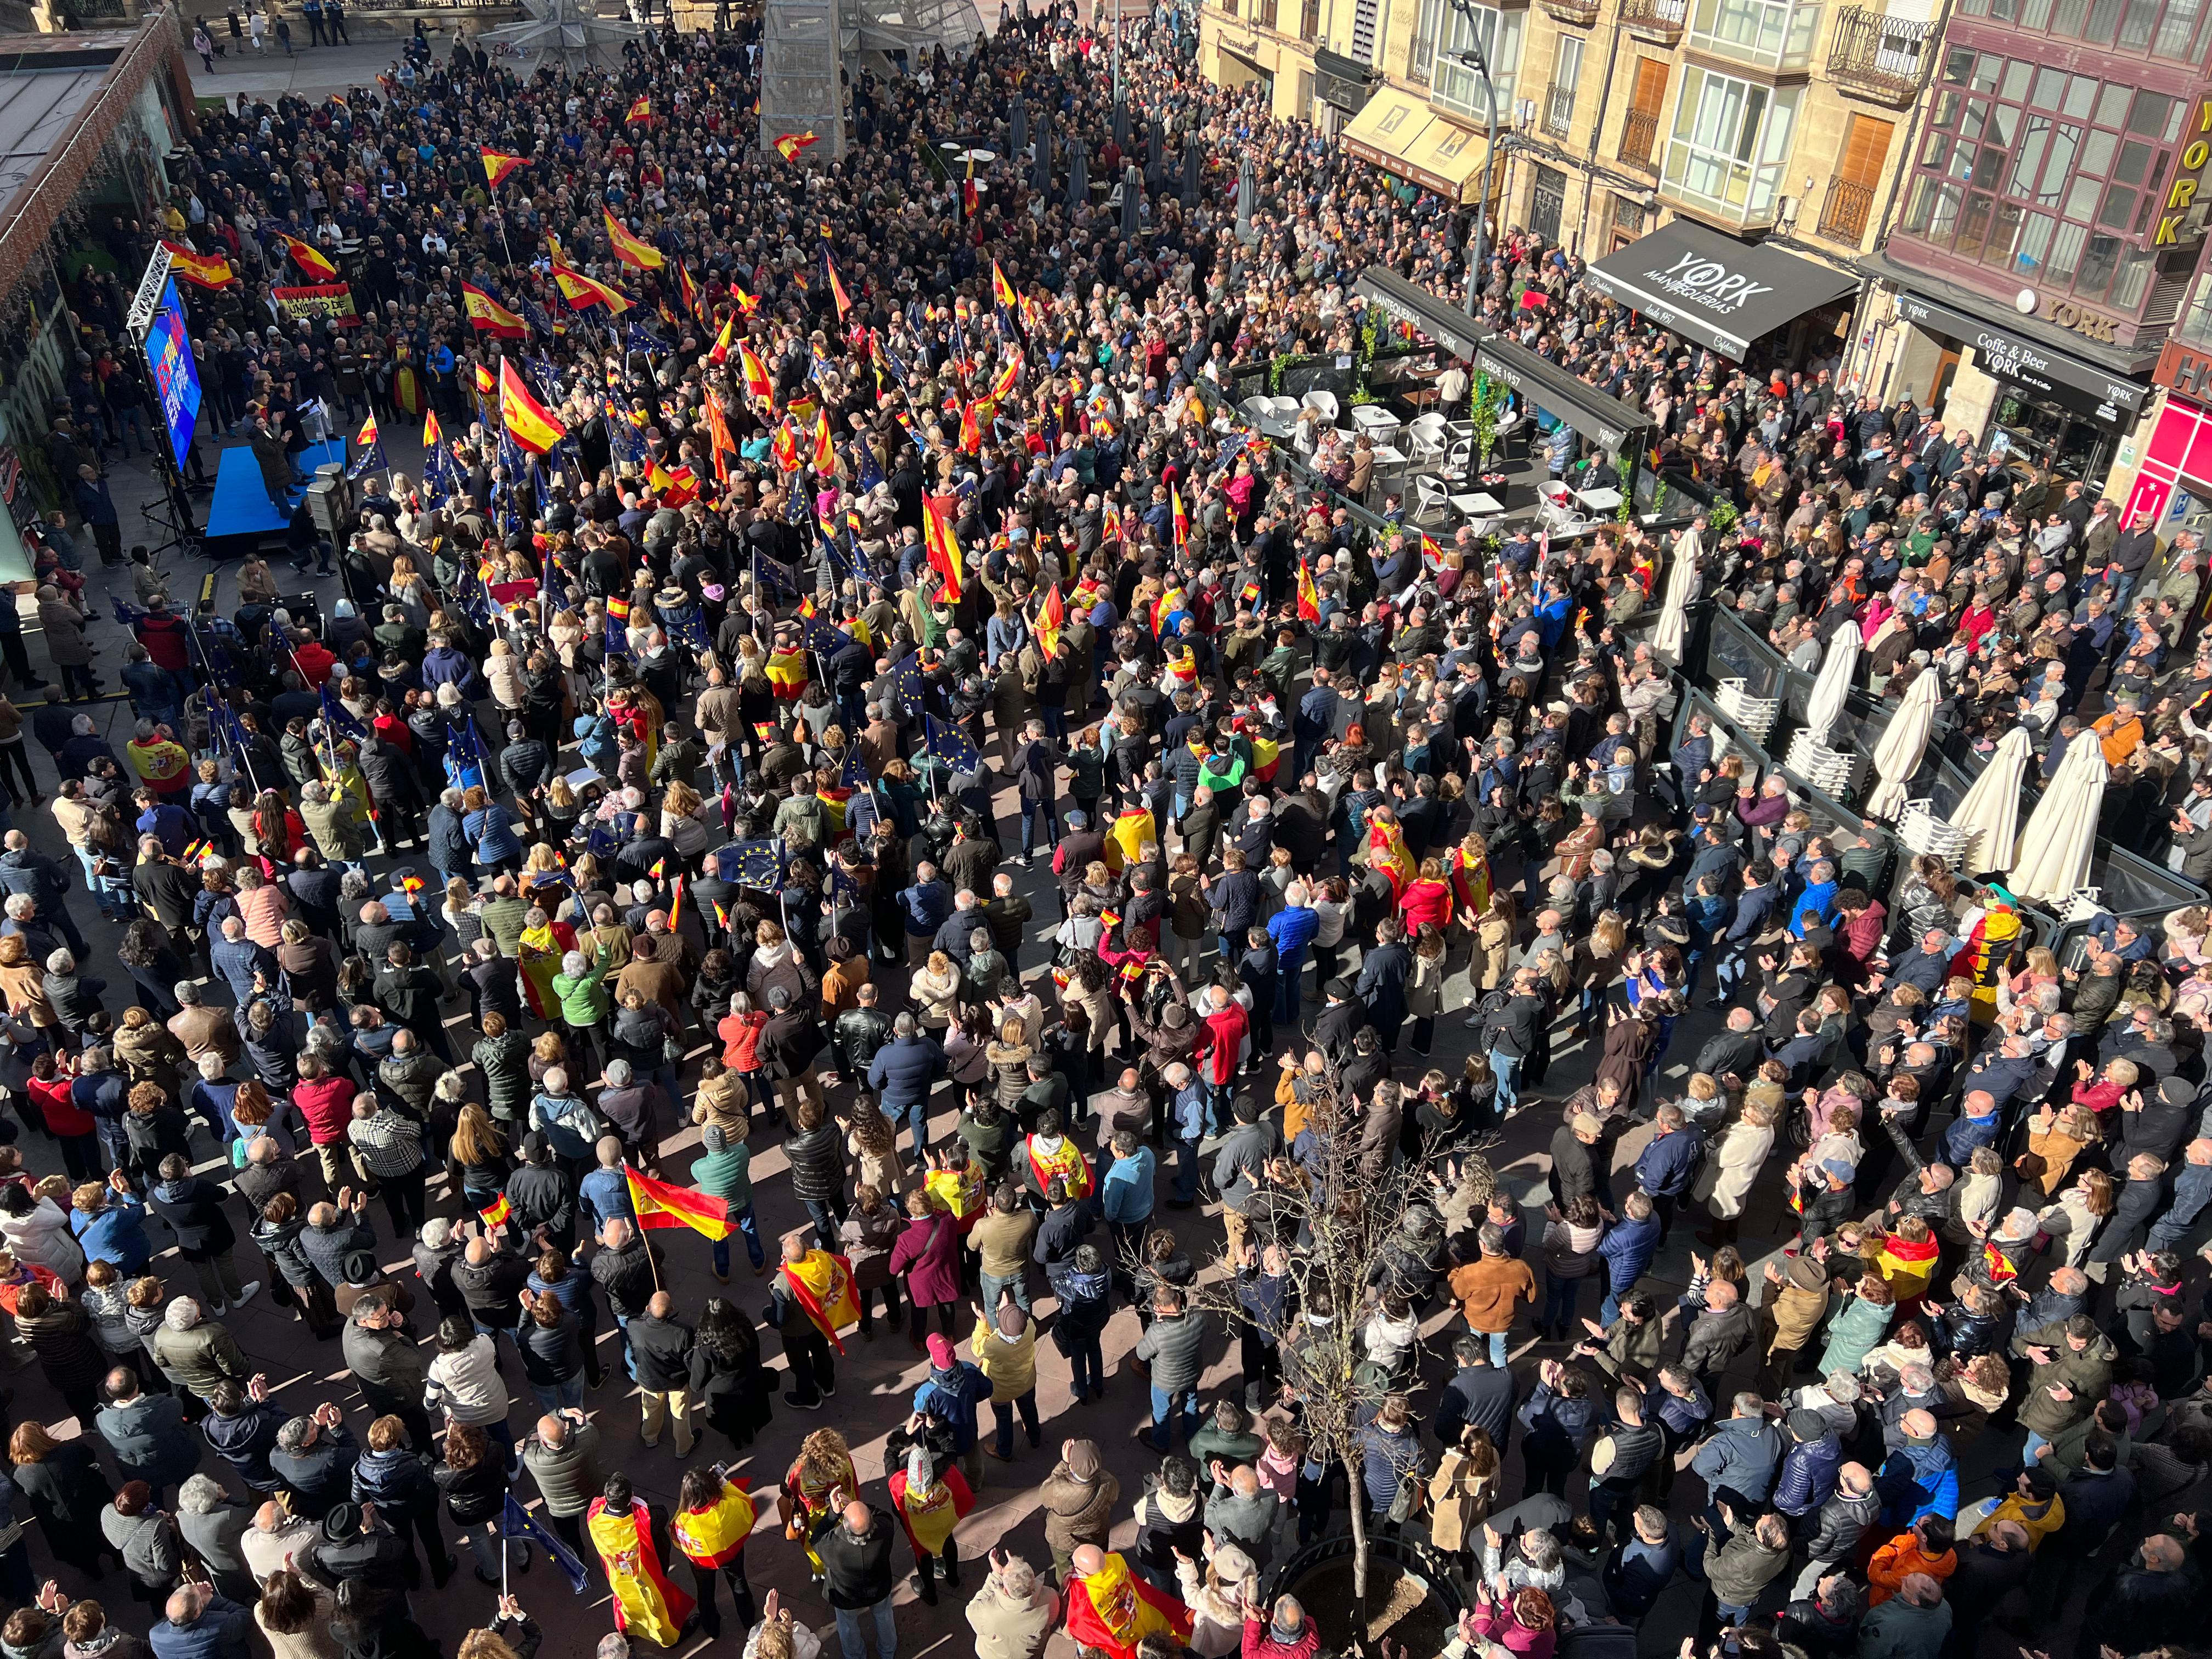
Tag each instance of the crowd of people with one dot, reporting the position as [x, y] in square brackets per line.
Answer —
[671, 730]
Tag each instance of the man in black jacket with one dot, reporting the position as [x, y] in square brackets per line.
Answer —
[861, 1033]
[855, 1547]
[489, 1276]
[1738, 1050]
[623, 1268]
[544, 1201]
[1480, 1393]
[788, 1046]
[1340, 1020]
[661, 1357]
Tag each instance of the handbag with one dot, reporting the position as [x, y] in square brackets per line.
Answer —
[1407, 1502]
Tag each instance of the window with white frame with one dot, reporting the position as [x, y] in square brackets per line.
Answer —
[1456, 86]
[1559, 96]
[1775, 34]
[1730, 142]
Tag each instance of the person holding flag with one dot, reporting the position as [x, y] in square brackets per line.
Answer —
[811, 1302]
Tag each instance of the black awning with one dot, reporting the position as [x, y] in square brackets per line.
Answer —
[2065, 379]
[1455, 330]
[1344, 82]
[1710, 288]
[1602, 418]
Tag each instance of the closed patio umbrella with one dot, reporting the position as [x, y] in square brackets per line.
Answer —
[1041, 174]
[1190, 172]
[1826, 706]
[1132, 189]
[1247, 197]
[1018, 128]
[1079, 178]
[1903, 742]
[2060, 837]
[1122, 125]
[1155, 148]
[1989, 810]
[1674, 615]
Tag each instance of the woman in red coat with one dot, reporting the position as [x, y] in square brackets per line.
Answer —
[928, 1254]
[1427, 898]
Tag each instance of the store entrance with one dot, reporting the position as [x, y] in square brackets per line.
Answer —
[2073, 445]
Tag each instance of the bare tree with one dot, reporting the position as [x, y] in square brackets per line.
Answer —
[1340, 1212]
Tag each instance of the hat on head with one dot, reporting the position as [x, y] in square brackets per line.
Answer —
[1083, 1460]
[1805, 1425]
[2177, 1091]
[1836, 1169]
[1340, 987]
[940, 1352]
[343, 1522]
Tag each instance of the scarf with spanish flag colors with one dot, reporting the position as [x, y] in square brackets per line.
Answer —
[1129, 834]
[1063, 1160]
[714, 1535]
[1113, 1610]
[821, 1284]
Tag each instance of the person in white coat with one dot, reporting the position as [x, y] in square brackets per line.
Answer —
[1737, 1156]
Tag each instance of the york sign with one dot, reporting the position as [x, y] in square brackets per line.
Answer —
[1698, 276]
[2187, 180]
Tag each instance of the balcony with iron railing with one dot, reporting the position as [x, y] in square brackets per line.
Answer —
[1263, 13]
[1583, 13]
[1309, 20]
[1654, 19]
[1639, 135]
[1420, 60]
[1879, 57]
[1845, 214]
[1559, 110]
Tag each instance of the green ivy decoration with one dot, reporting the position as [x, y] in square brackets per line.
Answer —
[1484, 403]
[1721, 516]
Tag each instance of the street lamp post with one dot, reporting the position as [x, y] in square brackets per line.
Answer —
[1472, 56]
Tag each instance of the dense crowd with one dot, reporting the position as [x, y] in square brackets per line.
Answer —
[672, 731]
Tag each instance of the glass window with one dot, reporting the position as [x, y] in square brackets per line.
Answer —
[1970, 124]
[2035, 237]
[1944, 220]
[1918, 204]
[1945, 112]
[2034, 139]
[1936, 151]
[1456, 86]
[1776, 33]
[2134, 279]
[2103, 18]
[2097, 152]
[2049, 83]
[2003, 122]
[2081, 93]
[2004, 234]
[2081, 197]
[1990, 168]
[1958, 66]
[2068, 16]
[2097, 264]
[2016, 77]
[2065, 255]
[2147, 113]
[1989, 68]
[2035, 15]
[2119, 207]
[1730, 142]
[2112, 104]
[1973, 226]
[2062, 143]
[2135, 23]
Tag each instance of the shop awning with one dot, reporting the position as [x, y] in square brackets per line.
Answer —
[2011, 356]
[1602, 418]
[1452, 330]
[1400, 135]
[1344, 81]
[1710, 288]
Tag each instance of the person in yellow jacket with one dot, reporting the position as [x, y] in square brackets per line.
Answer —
[1005, 1347]
[2033, 1505]
[714, 1516]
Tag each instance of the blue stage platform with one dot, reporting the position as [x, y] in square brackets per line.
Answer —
[241, 513]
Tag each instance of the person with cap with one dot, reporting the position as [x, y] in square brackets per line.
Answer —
[358, 1544]
[954, 1390]
[1112, 1610]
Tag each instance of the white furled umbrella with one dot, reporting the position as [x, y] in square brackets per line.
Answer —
[1989, 810]
[1681, 576]
[2060, 837]
[1903, 741]
[1826, 706]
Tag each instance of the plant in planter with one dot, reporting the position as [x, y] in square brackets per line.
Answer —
[1484, 404]
[1356, 1220]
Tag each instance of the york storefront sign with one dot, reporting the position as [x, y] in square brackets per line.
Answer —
[2064, 379]
[1712, 288]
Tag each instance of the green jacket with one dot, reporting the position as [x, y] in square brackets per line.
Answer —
[727, 1174]
[1853, 1336]
[504, 918]
[583, 1001]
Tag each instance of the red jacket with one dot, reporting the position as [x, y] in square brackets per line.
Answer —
[327, 1104]
[1220, 1041]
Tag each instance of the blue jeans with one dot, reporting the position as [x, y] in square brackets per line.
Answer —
[1287, 970]
[916, 1118]
[1086, 1367]
[2027, 1457]
[1035, 813]
[1560, 1296]
[1186, 1171]
[851, 1631]
[1498, 1340]
[992, 1284]
[1166, 1407]
[553, 1396]
[1508, 1070]
[748, 1224]
[1004, 1410]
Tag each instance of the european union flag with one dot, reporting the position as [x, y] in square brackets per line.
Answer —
[821, 637]
[906, 685]
[853, 775]
[642, 340]
[126, 615]
[369, 460]
[465, 765]
[871, 471]
[337, 719]
[777, 577]
[518, 1523]
[754, 864]
[534, 315]
[617, 640]
[946, 741]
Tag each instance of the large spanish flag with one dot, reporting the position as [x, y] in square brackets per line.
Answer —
[310, 259]
[1003, 387]
[638, 254]
[486, 315]
[528, 421]
[941, 545]
[1001, 290]
[201, 269]
[1308, 595]
[690, 291]
[837, 288]
[497, 164]
[825, 454]
[790, 144]
[757, 383]
[1052, 616]
[720, 354]
[584, 292]
[641, 111]
[664, 1204]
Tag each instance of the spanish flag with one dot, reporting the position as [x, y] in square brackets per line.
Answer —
[789, 144]
[837, 288]
[1001, 290]
[1182, 521]
[825, 457]
[1308, 595]
[675, 489]
[1051, 615]
[497, 164]
[664, 1204]
[720, 441]
[488, 316]
[484, 381]
[432, 437]
[747, 303]
[784, 446]
[309, 258]
[1003, 387]
[584, 292]
[637, 254]
[495, 1214]
[640, 113]
[941, 546]
[786, 674]
[689, 292]
[757, 383]
[200, 270]
[528, 421]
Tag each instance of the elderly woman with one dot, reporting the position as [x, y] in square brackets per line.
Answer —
[582, 990]
[67, 644]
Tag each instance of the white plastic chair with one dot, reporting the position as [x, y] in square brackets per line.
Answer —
[1428, 433]
[1431, 498]
[1323, 401]
[1459, 461]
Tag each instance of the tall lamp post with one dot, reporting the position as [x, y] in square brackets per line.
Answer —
[1474, 58]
